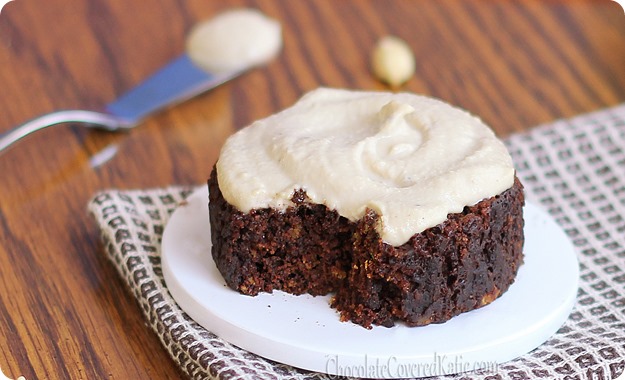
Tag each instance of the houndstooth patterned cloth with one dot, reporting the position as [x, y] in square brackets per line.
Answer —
[575, 169]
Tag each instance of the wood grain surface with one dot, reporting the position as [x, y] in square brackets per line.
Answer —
[64, 313]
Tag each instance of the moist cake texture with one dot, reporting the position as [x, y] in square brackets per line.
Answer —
[462, 264]
[417, 217]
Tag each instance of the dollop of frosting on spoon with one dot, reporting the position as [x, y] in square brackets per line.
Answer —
[234, 40]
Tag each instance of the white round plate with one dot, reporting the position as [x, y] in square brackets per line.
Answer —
[303, 331]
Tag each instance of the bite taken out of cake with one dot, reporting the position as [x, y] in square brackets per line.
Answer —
[403, 206]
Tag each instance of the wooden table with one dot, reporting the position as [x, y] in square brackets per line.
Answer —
[65, 313]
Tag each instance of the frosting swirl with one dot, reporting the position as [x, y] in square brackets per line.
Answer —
[410, 158]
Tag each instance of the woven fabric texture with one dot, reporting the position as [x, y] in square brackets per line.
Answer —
[574, 169]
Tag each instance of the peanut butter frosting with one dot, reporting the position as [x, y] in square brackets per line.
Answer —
[410, 158]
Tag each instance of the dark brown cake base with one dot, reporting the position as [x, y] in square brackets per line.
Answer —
[306, 249]
[460, 265]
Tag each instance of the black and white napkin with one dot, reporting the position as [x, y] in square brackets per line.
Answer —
[574, 169]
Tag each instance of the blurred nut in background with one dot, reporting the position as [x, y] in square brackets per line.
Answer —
[393, 61]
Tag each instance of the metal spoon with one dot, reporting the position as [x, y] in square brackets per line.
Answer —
[176, 82]
[179, 80]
